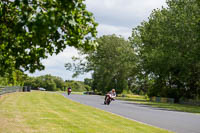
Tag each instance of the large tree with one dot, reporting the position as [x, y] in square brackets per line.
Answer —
[30, 30]
[168, 46]
[112, 63]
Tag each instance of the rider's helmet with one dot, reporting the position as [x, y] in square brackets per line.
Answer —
[113, 90]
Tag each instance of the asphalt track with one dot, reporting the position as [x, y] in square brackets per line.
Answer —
[179, 122]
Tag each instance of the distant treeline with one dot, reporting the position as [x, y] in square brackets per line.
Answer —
[49, 82]
[54, 83]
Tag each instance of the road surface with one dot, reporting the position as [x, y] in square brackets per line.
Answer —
[179, 122]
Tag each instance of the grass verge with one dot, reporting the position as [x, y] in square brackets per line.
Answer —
[177, 107]
[77, 93]
[44, 112]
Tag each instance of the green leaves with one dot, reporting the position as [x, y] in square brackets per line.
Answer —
[50, 83]
[168, 47]
[38, 28]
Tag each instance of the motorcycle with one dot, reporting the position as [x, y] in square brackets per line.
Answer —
[69, 91]
[108, 100]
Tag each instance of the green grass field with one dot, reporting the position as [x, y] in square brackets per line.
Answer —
[45, 112]
[177, 107]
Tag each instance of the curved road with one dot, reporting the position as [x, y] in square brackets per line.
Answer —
[179, 122]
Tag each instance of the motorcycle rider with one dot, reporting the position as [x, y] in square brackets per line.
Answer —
[111, 94]
[69, 90]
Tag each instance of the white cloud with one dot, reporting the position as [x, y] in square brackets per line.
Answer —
[128, 13]
[65, 56]
[54, 65]
[104, 29]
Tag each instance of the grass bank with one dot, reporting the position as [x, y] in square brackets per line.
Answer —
[45, 112]
[177, 107]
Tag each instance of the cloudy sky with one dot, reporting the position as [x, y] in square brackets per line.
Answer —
[114, 17]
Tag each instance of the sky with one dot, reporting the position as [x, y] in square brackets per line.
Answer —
[114, 17]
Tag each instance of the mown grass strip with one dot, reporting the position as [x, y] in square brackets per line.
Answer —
[45, 112]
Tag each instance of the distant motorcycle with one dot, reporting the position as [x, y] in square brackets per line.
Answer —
[69, 91]
[108, 100]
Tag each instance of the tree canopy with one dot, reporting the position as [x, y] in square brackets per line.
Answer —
[168, 46]
[30, 30]
[112, 63]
